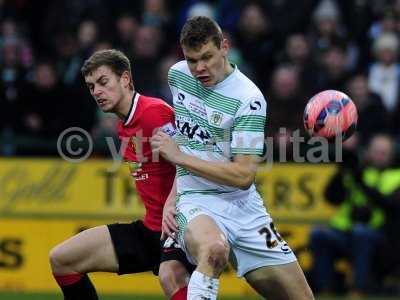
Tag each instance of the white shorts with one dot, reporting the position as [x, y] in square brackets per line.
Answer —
[248, 227]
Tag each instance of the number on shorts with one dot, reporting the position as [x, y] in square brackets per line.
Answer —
[271, 243]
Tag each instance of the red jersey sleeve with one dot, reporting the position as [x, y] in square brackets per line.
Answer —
[155, 117]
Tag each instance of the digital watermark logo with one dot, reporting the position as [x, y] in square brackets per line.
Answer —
[76, 145]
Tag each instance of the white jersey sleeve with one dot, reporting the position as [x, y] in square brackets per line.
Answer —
[248, 132]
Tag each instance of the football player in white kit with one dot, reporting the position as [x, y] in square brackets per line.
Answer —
[220, 120]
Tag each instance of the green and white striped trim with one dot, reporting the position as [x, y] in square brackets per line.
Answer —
[211, 98]
[181, 171]
[204, 192]
[249, 151]
[182, 222]
[250, 123]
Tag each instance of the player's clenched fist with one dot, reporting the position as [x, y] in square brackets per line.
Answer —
[166, 146]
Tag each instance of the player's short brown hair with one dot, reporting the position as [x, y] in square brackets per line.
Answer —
[197, 31]
[112, 58]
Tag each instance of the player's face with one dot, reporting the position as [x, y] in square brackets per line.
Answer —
[380, 152]
[106, 87]
[207, 64]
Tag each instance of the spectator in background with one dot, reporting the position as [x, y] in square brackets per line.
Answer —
[385, 72]
[228, 13]
[255, 40]
[68, 59]
[11, 79]
[361, 191]
[146, 57]
[102, 45]
[159, 14]
[102, 132]
[163, 90]
[298, 53]
[356, 17]
[67, 16]
[193, 8]
[11, 35]
[384, 75]
[372, 115]
[293, 12]
[297, 50]
[333, 73]
[155, 13]
[15, 60]
[70, 54]
[43, 105]
[87, 37]
[396, 9]
[12, 75]
[126, 28]
[388, 261]
[386, 23]
[327, 30]
[286, 102]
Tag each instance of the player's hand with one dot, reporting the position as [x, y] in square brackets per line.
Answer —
[166, 146]
[169, 224]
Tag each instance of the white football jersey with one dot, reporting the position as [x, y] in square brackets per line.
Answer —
[215, 123]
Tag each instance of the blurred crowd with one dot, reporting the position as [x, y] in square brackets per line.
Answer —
[363, 230]
[291, 49]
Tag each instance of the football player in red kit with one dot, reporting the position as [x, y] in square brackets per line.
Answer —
[134, 247]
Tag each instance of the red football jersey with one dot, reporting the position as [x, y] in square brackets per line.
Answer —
[154, 179]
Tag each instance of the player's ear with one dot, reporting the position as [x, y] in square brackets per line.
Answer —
[125, 79]
[225, 47]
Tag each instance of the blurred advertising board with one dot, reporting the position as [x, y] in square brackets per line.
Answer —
[45, 201]
[58, 189]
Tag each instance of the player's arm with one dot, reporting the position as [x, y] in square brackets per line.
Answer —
[246, 145]
[161, 117]
[239, 173]
[169, 225]
[155, 118]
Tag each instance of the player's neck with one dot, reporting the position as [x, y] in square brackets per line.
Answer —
[228, 69]
[126, 103]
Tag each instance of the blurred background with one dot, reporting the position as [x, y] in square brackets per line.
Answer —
[341, 219]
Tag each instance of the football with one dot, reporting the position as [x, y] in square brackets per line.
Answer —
[329, 114]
